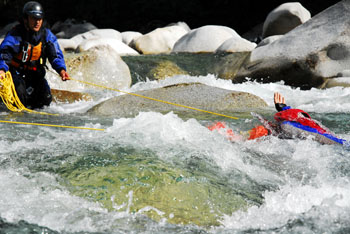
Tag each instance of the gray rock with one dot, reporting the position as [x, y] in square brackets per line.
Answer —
[204, 39]
[101, 65]
[70, 28]
[67, 44]
[7, 28]
[336, 82]
[194, 95]
[236, 44]
[307, 55]
[345, 73]
[160, 40]
[269, 40]
[128, 36]
[115, 44]
[97, 33]
[285, 18]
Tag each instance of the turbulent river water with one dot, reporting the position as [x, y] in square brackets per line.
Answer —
[167, 173]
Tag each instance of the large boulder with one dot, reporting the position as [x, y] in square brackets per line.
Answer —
[194, 95]
[70, 28]
[160, 40]
[99, 65]
[285, 18]
[97, 33]
[204, 39]
[67, 44]
[115, 44]
[94, 38]
[236, 44]
[129, 36]
[306, 56]
[269, 40]
[7, 28]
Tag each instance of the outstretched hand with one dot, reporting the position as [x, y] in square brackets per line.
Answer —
[64, 75]
[2, 74]
[278, 98]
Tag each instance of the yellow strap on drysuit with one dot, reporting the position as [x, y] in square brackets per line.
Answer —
[10, 98]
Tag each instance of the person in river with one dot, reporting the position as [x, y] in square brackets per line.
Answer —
[24, 51]
[289, 123]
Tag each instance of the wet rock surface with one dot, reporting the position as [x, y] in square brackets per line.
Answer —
[194, 95]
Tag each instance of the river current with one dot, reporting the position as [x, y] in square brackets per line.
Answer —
[167, 173]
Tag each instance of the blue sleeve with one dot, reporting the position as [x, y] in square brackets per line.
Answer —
[9, 46]
[54, 53]
[286, 108]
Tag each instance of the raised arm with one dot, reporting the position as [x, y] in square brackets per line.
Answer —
[280, 102]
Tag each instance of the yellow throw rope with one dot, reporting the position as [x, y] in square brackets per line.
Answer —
[154, 99]
[51, 125]
[10, 98]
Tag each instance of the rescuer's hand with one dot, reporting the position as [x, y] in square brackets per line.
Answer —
[2, 74]
[64, 75]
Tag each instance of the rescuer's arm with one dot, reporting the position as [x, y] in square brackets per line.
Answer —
[55, 56]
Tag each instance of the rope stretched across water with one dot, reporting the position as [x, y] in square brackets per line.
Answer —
[10, 98]
[154, 99]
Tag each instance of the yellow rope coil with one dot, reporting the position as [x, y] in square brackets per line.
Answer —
[10, 98]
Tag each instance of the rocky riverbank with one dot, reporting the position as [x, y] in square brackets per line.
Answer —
[300, 50]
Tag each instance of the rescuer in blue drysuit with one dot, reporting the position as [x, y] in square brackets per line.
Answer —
[24, 51]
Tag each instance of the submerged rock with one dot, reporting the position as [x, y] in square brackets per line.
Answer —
[166, 69]
[138, 184]
[69, 96]
[194, 95]
[306, 56]
[153, 67]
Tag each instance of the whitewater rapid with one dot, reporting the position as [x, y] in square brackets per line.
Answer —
[304, 186]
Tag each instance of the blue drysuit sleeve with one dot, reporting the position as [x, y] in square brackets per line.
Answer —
[9, 46]
[54, 53]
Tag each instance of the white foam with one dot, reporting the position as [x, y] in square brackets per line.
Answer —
[295, 202]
